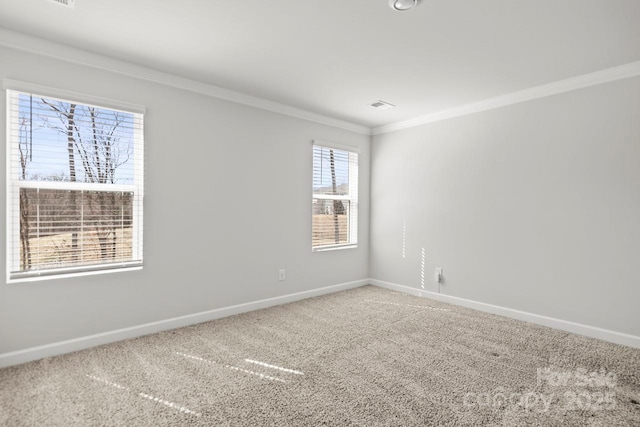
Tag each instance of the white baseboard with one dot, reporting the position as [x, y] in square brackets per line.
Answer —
[564, 325]
[54, 349]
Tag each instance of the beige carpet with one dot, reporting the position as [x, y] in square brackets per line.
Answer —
[366, 357]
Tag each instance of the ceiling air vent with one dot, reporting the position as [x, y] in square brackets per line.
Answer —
[68, 3]
[382, 105]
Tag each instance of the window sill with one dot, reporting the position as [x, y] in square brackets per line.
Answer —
[71, 274]
[333, 248]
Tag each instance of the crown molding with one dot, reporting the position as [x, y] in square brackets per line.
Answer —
[23, 42]
[620, 72]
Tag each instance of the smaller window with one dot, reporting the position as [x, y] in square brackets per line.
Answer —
[335, 198]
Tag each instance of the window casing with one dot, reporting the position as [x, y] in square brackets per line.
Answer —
[74, 187]
[335, 197]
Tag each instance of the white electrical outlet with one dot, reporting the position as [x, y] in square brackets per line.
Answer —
[282, 274]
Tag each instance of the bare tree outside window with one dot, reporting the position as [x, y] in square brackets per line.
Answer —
[334, 220]
[76, 203]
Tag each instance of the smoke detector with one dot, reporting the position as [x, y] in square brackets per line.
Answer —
[68, 3]
[381, 105]
[402, 5]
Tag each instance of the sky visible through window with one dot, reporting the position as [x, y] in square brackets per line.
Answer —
[102, 141]
[323, 178]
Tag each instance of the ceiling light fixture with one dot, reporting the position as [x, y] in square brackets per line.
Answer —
[402, 5]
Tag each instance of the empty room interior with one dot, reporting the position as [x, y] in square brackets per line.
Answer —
[304, 212]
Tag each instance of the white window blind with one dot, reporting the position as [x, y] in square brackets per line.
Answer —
[335, 198]
[74, 187]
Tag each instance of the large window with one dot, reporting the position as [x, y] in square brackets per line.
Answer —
[335, 197]
[74, 187]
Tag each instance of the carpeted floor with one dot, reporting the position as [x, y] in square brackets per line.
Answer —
[365, 357]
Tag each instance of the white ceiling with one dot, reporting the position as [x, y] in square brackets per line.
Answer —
[334, 57]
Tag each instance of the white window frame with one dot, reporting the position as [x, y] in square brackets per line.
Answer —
[13, 88]
[352, 198]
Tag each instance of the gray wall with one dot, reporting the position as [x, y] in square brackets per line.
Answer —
[227, 203]
[534, 206]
